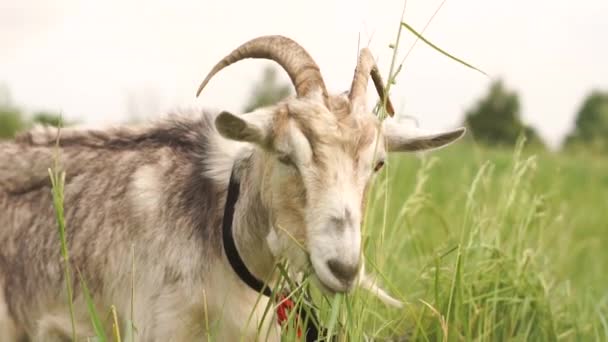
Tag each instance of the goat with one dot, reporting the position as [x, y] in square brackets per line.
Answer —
[153, 196]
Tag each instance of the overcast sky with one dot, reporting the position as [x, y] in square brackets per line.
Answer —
[96, 61]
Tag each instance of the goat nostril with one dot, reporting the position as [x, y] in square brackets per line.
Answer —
[338, 223]
[344, 272]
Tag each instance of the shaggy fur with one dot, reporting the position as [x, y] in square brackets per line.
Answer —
[145, 187]
[153, 197]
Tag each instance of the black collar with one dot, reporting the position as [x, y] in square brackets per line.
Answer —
[229, 244]
[307, 315]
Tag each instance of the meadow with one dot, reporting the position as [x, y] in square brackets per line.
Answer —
[481, 244]
[486, 244]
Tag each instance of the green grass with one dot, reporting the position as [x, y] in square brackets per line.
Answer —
[490, 245]
[57, 183]
[482, 244]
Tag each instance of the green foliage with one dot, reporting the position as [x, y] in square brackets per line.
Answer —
[496, 118]
[57, 189]
[11, 118]
[482, 244]
[591, 129]
[48, 119]
[11, 122]
[475, 241]
[438, 49]
[14, 120]
[267, 91]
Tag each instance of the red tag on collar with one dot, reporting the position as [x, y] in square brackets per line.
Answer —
[285, 305]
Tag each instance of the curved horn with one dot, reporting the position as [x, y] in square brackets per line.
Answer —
[302, 69]
[366, 66]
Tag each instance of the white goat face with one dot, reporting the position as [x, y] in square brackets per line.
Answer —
[318, 164]
[319, 153]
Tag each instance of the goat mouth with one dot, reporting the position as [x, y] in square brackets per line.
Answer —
[316, 279]
[323, 285]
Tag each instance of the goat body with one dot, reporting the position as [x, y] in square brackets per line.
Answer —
[152, 197]
[144, 190]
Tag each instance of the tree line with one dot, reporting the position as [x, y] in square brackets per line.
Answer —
[14, 119]
[494, 119]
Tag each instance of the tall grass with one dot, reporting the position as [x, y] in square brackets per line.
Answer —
[488, 245]
[481, 244]
[57, 183]
[57, 178]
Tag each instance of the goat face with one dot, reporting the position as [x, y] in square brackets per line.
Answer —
[318, 163]
[319, 154]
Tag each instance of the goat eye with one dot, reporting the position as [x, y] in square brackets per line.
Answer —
[379, 165]
[286, 160]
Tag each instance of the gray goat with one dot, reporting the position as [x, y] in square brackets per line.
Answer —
[303, 165]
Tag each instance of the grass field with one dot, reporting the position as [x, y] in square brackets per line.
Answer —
[482, 245]
[487, 244]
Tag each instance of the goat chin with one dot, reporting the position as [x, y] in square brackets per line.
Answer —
[370, 284]
[366, 282]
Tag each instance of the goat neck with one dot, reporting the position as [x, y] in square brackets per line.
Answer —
[251, 223]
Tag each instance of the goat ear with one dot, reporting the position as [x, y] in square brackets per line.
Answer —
[251, 128]
[404, 138]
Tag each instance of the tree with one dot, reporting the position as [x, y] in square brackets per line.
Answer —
[496, 119]
[267, 90]
[11, 118]
[14, 120]
[11, 122]
[48, 119]
[591, 125]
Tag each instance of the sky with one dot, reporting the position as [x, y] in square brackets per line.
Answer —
[102, 62]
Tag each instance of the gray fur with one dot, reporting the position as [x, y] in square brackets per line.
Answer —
[176, 242]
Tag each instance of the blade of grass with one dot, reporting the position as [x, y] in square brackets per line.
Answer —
[130, 329]
[115, 326]
[57, 186]
[409, 51]
[100, 333]
[391, 73]
[438, 49]
[333, 318]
